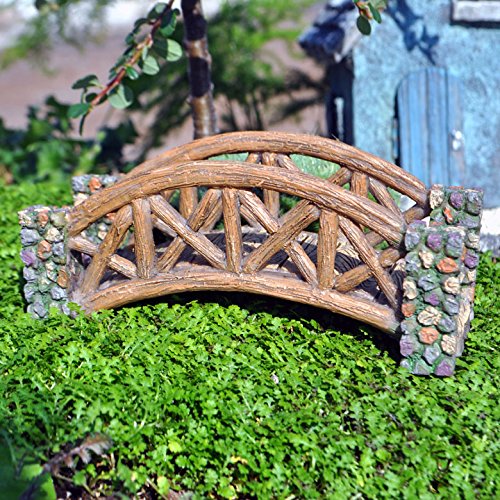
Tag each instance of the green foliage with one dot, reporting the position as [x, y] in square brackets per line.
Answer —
[250, 83]
[18, 477]
[236, 396]
[47, 149]
[142, 56]
[246, 73]
[253, 88]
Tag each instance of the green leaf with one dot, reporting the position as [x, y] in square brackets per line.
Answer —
[132, 73]
[121, 98]
[90, 97]
[77, 110]
[168, 23]
[379, 4]
[86, 81]
[175, 446]
[157, 10]
[160, 47]
[363, 25]
[140, 22]
[375, 13]
[174, 51]
[30, 478]
[150, 66]
[80, 478]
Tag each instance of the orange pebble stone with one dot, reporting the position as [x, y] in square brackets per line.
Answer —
[428, 335]
[94, 184]
[447, 265]
[408, 309]
[44, 248]
[448, 214]
[43, 218]
[63, 279]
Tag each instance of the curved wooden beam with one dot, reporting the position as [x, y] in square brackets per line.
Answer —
[264, 283]
[239, 175]
[288, 143]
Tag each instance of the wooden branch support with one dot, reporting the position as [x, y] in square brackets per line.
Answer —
[303, 262]
[271, 198]
[188, 201]
[359, 184]
[284, 161]
[196, 240]
[100, 261]
[327, 248]
[296, 223]
[232, 229]
[144, 243]
[383, 196]
[201, 215]
[351, 279]
[257, 211]
[369, 256]
[264, 283]
[116, 262]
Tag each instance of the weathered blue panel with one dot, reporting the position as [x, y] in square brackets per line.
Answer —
[457, 174]
[429, 105]
[416, 34]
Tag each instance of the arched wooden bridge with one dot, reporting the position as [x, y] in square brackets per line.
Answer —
[228, 232]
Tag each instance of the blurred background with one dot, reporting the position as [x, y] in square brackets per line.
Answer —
[91, 43]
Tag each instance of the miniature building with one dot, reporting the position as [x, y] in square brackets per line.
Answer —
[421, 91]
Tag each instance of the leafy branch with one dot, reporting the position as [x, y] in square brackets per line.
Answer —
[142, 56]
[369, 10]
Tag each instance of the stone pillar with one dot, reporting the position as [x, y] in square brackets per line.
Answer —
[438, 289]
[45, 257]
[50, 270]
[84, 186]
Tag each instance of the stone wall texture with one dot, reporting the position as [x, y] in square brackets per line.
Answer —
[50, 270]
[44, 254]
[438, 289]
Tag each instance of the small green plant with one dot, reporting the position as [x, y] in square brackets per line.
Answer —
[23, 478]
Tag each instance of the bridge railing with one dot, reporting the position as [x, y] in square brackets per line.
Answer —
[141, 201]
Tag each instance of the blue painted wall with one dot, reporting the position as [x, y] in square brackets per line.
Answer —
[426, 37]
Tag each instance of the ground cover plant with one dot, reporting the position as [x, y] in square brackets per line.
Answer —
[237, 396]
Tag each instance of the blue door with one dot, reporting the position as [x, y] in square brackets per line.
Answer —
[430, 127]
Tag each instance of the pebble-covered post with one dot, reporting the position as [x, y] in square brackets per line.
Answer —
[49, 269]
[45, 257]
[438, 290]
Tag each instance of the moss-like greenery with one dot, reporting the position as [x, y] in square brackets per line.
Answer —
[244, 396]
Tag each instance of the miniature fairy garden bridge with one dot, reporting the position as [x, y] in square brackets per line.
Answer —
[187, 221]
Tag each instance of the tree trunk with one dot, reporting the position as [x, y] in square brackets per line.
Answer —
[200, 80]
